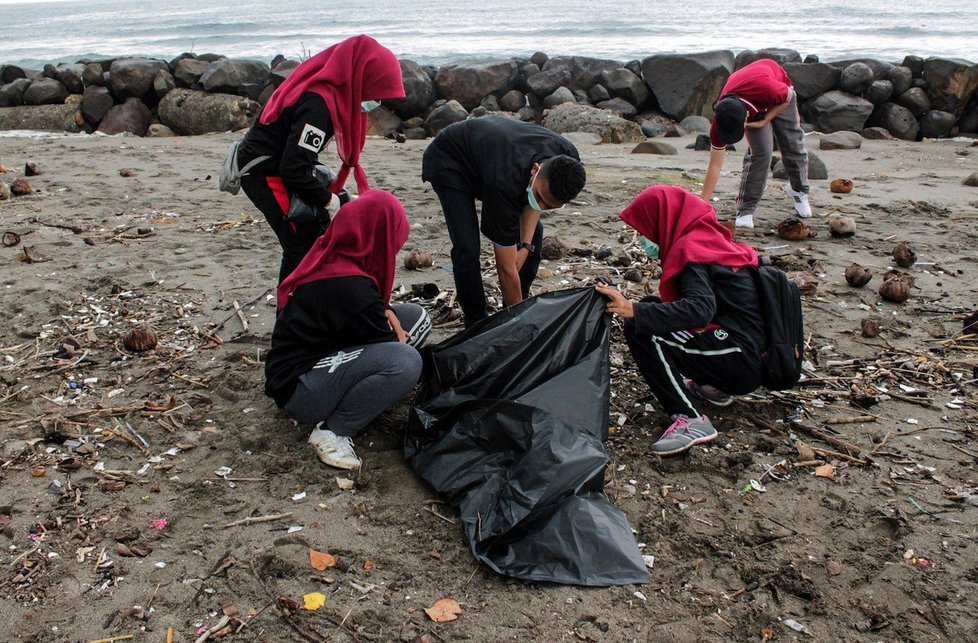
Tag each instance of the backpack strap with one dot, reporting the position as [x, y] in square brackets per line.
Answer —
[252, 163]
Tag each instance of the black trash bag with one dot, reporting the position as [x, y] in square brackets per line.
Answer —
[510, 424]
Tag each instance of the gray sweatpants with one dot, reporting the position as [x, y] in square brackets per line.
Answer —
[786, 126]
[349, 388]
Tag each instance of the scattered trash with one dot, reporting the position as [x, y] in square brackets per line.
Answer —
[796, 626]
[321, 560]
[444, 610]
[344, 483]
[313, 601]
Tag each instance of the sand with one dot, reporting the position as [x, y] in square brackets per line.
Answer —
[125, 230]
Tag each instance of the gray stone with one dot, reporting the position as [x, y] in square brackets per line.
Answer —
[10, 73]
[539, 59]
[526, 71]
[415, 133]
[816, 169]
[899, 121]
[233, 75]
[812, 79]
[580, 95]
[163, 83]
[619, 106]
[191, 112]
[856, 79]
[131, 116]
[621, 83]
[478, 112]
[653, 129]
[490, 103]
[468, 83]
[513, 101]
[282, 69]
[879, 92]
[71, 77]
[383, 122]
[778, 55]
[96, 102]
[881, 69]
[212, 58]
[133, 77]
[915, 64]
[696, 124]
[46, 91]
[529, 114]
[901, 77]
[936, 123]
[575, 72]
[654, 147]
[968, 123]
[419, 91]
[685, 85]
[916, 100]
[841, 141]
[12, 93]
[58, 118]
[811, 58]
[598, 94]
[443, 116]
[971, 181]
[188, 71]
[837, 111]
[93, 74]
[579, 117]
[950, 82]
[634, 66]
[876, 134]
[414, 121]
[560, 96]
[158, 130]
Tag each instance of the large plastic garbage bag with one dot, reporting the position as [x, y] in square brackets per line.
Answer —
[510, 423]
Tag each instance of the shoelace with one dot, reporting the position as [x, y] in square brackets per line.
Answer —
[344, 445]
[681, 424]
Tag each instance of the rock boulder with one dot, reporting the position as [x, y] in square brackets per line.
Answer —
[132, 116]
[235, 76]
[443, 116]
[899, 121]
[46, 91]
[936, 123]
[835, 111]
[419, 91]
[96, 102]
[468, 83]
[621, 83]
[58, 118]
[812, 79]
[685, 85]
[577, 117]
[133, 77]
[950, 82]
[191, 112]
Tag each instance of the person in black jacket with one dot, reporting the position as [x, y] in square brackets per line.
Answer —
[340, 352]
[517, 170]
[707, 322]
[326, 96]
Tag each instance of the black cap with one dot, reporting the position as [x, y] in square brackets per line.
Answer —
[730, 114]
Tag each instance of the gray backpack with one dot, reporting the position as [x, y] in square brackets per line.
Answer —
[229, 180]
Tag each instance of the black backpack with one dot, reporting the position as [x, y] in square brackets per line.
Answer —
[784, 342]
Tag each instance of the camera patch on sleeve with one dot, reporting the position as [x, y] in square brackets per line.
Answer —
[312, 138]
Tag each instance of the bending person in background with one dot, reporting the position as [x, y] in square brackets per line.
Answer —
[760, 101]
[340, 352]
[326, 96]
[517, 170]
[706, 325]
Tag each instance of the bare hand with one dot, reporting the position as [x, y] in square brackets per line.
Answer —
[395, 325]
[618, 304]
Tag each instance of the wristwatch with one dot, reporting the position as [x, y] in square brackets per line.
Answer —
[529, 247]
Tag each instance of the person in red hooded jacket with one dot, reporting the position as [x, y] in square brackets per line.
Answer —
[327, 96]
[341, 353]
[707, 323]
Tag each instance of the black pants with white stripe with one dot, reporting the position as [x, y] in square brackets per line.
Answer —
[708, 357]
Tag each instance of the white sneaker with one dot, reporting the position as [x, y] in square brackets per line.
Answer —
[334, 450]
[744, 221]
[802, 206]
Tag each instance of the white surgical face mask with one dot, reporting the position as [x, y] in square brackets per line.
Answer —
[532, 198]
[369, 105]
